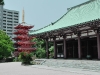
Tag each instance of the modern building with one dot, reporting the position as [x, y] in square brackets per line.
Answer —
[10, 20]
[76, 34]
[1, 16]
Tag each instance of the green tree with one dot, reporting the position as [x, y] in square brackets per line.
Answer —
[1, 2]
[39, 43]
[51, 50]
[40, 48]
[6, 45]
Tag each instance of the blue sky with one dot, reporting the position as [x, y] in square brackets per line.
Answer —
[41, 12]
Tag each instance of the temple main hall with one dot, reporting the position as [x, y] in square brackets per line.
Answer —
[76, 34]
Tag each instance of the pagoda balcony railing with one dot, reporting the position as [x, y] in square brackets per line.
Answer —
[23, 49]
[25, 46]
[19, 32]
[25, 43]
[23, 38]
[22, 30]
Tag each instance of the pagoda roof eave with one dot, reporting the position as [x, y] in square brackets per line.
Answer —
[21, 26]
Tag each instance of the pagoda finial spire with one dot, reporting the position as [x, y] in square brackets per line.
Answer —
[23, 16]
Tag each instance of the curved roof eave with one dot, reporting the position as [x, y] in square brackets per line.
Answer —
[76, 15]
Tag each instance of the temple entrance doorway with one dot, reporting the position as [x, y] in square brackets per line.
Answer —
[60, 51]
[72, 49]
[89, 48]
[93, 48]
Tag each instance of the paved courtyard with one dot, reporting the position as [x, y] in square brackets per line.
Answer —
[15, 68]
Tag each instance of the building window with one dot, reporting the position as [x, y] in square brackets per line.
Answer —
[9, 18]
[4, 23]
[15, 24]
[4, 26]
[15, 16]
[4, 11]
[9, 21]
[9, 15]
[4, 17]
[15, 13]
[9, 12]
[9, 30]
[4, 20]
[9, 27]
[9, 33]
[15, 21]
[4, 14]
[9, 24]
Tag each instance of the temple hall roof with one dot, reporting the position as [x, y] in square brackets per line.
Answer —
[81, 13]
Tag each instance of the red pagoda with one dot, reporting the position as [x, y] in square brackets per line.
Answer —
[23, 40]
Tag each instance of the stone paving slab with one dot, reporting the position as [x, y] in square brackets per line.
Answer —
[72, 70]
[92, 65]
[15, 68]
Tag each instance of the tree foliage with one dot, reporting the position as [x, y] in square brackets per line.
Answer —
[6, 45]
[41, 49]
[25, 57]
[1, 2]
[40, 53]
[51, 50]
[39, 43]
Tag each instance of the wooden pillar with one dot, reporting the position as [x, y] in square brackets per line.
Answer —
[88, 48]
[79, 46]
[47, 50]
[55, 48]
[73, 51]
[64, 42]
[98, 44]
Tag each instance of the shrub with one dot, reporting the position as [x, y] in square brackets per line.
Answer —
[51, 50]
[25, 58]
[40, 53]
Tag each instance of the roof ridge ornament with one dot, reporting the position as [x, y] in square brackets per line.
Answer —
[23, 16]
[52, 23]
[68, 8]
